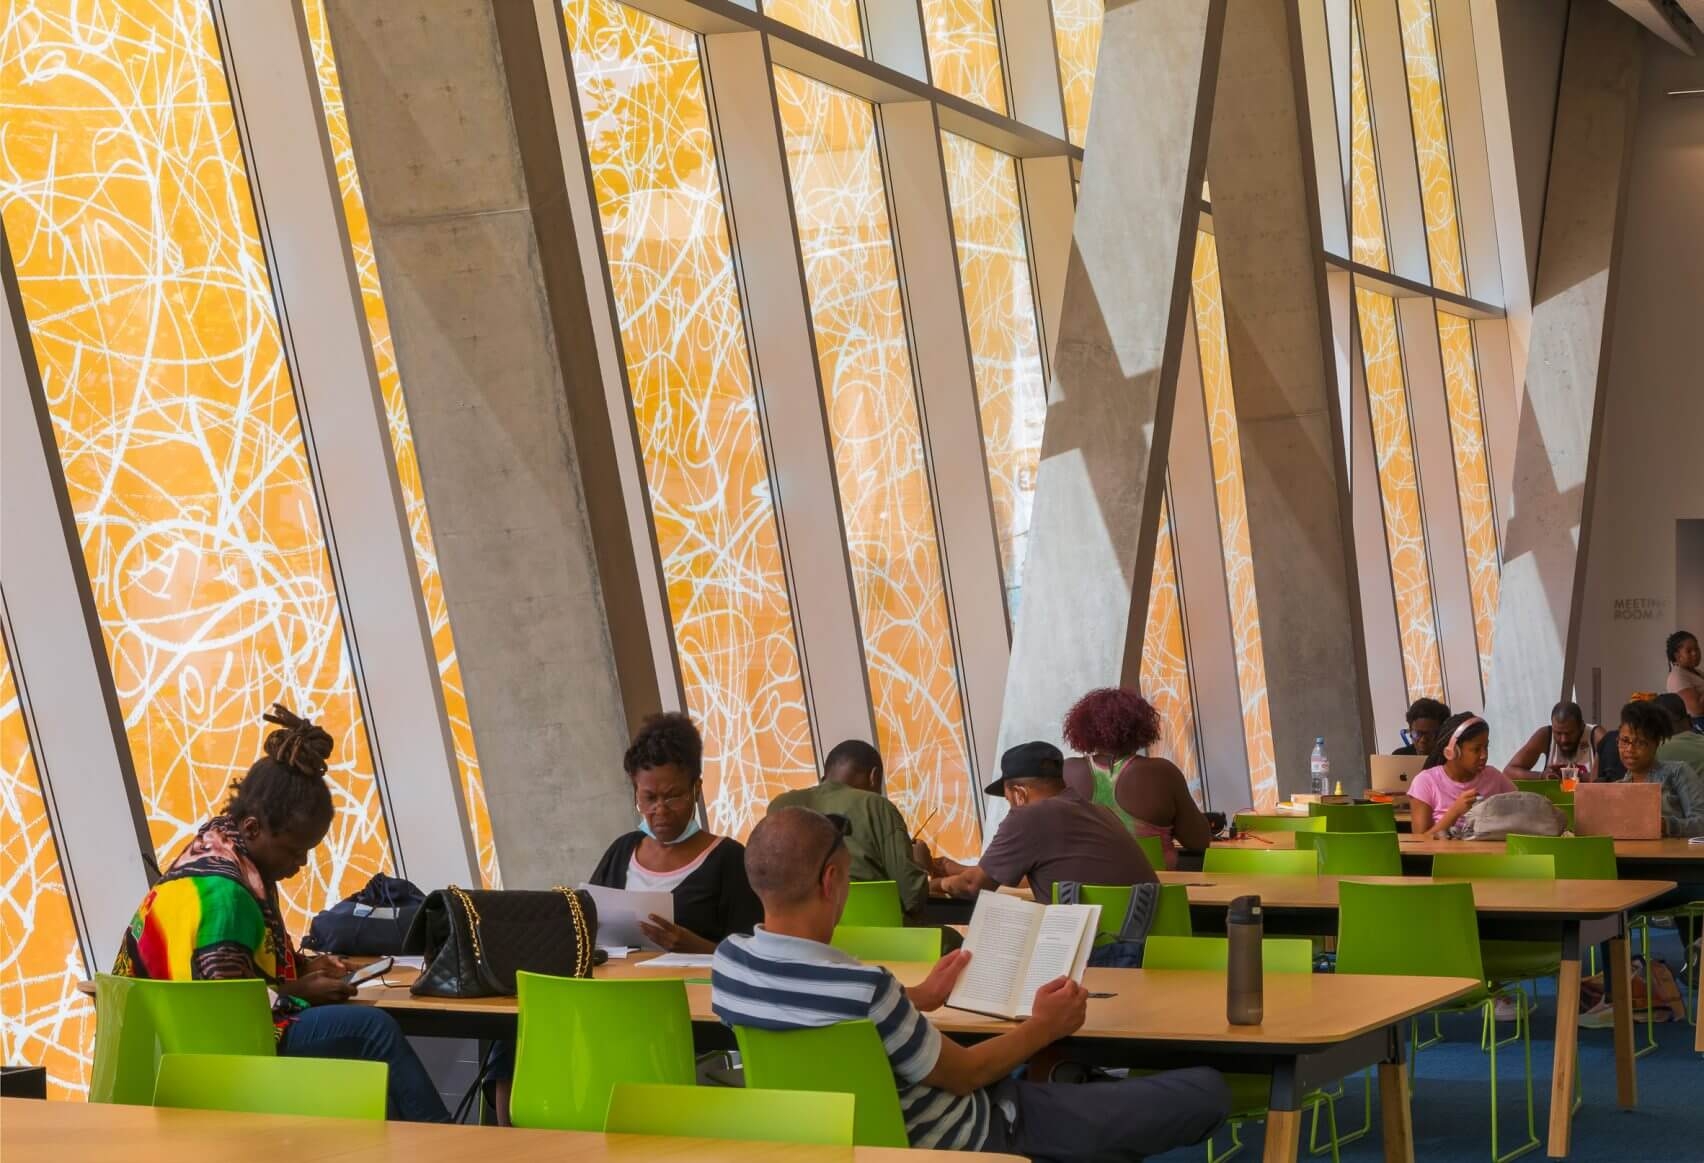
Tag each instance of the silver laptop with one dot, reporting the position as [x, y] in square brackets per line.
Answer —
[1392, 773]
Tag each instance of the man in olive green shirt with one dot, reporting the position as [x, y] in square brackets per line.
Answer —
[1685, 745]
[881, 849]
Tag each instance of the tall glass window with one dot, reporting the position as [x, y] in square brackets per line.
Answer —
[835, 21]
[126, 201]
[665, 233]
[887, 510]
[1473, 479]
[1005, 341]
[1077, 37]
[964, 50]
[1165, 661]
[1432, 143]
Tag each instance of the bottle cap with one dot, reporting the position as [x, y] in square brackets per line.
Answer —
[1244, 910]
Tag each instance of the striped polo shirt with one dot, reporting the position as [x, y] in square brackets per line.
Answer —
[774, 982]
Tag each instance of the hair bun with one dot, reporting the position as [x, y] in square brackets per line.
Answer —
[300, 744]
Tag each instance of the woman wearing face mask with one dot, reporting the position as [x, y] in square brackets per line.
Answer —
[670, 852]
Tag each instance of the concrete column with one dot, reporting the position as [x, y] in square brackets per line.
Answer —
[1272, 275]
[492, 341]
[1115, 364]
[1546, 537]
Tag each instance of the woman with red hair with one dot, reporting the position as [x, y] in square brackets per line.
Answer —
[1109, 729]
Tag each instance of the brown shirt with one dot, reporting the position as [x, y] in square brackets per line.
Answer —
[1153, 791]
[1064, 837]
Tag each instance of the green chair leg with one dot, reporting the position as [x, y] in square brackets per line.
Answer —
[1524, 1030]
[1235, 1148]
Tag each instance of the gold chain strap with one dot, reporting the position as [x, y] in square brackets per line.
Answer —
[582, 950]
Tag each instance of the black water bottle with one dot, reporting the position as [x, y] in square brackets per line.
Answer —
[1244, 1005]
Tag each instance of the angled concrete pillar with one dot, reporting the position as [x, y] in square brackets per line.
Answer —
[1272, 278]
[477, 257]
[1545, 536]
[1116, 363]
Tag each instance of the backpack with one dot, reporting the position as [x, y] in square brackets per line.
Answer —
[1509, 813]
[371, 922]
[1126, 948]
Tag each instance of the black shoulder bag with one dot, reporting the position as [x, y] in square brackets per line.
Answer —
[475, 942]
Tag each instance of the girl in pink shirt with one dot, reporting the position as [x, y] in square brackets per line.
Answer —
[1457, 776]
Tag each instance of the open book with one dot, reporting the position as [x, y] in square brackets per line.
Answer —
[1018, 946]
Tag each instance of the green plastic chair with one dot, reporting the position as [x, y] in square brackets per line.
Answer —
[1154, 848]
[1354, 853]
[1492, 866]
[873, 904]
[1550, 789]
[1171, 917]
[1574, 857]
[1252, 822]
[1355, 817]
[332, 1088]
[136, 1021]
[816, 1118]
[1252, 862]
[579, 1037]
[1431, 930]
[1250, 1093]
[869, 943]
[847, 1058]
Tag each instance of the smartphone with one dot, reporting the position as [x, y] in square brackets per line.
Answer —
[367, 972]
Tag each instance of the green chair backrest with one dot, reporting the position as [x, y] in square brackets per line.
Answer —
[579, 1037]
[873, 943]
[847, 1057]
[1354, 853]
[136, 1021]
[1277, 954]
[1171, 917]
[1154, 848]
[1576, 857]
[1550, 789]
[1427, 930]
[1260, 862]
[333, 1088]
[1493, 866]
[813, 1117]
[1252, 822]
[873, 904]
[1355, 817]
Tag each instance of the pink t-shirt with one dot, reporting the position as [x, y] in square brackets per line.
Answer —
[1435, 788]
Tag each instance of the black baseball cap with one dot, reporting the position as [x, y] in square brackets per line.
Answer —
[1034, 760]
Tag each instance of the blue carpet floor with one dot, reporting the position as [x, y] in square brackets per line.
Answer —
[1452, 1103]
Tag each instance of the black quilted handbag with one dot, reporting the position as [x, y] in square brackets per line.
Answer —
[475, 942]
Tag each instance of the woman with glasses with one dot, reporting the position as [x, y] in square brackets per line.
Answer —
[670, 852]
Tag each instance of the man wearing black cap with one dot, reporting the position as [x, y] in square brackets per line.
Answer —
[1051, 834]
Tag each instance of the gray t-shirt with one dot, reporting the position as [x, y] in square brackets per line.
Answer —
[1065, 837]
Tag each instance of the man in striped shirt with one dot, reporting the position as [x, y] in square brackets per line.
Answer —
[786, 976]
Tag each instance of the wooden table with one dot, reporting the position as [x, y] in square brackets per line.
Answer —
[1573, 913]
[1670, 858]
[70, 1132]
[1318, 1029]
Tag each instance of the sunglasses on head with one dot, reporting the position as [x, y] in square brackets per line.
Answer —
[842, 828]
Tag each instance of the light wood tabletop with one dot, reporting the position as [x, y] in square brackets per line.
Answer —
[1668, 848]
[71, 1132]
[1145, 1005]
[1560, 898]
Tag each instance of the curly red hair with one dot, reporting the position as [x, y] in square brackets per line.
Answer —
[1112, 721]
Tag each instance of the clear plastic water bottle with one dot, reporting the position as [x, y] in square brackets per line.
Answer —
[1321, 768]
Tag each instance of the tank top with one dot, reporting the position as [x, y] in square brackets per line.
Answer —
[1106, 794]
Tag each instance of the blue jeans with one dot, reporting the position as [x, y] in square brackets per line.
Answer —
[370, 1035]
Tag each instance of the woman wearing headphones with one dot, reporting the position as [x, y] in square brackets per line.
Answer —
[1456, 777]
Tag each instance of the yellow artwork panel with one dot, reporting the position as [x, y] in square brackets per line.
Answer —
[1366, 209]
[1005, 341]
[964, 50]
[1216, 389]
[1165, 661]
[1432, 143]
[1473, 479]
[1077, 37]
[126, 201]
[886, 507]
[1399, 490]
[835, 21]
[653, 160]
[402, 442]
[44, 1021]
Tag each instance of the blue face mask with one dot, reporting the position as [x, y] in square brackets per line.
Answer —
[692, 829]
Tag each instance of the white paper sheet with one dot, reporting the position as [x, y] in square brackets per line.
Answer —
[679, 961]
[620, 910]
